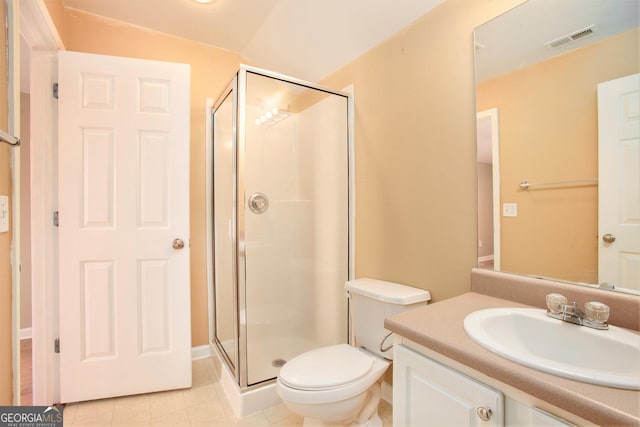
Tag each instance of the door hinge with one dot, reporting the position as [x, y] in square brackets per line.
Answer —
[56, 345]
[55, 90]
[56, 219]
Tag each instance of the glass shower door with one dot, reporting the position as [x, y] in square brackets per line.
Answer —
[224, 207]
[293, 222]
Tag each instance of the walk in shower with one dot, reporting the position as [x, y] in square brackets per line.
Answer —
[281, 222]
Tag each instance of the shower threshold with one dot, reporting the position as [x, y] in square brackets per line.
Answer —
[246, 402]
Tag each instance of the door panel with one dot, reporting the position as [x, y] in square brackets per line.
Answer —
[97, 310]
[619, 182]
[124, 197]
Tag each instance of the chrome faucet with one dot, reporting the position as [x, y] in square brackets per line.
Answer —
[594, 316]
[572, 314]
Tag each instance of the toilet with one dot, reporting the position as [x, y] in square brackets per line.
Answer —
[341, 384]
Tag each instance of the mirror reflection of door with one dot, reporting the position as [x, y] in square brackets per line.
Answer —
[488, 190]
[619, 170]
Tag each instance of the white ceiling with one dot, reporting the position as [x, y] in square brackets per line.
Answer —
[517, 38]
[302, 38]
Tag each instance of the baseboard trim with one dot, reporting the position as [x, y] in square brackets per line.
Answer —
[25, 333]
[200, 352]
[485, 258]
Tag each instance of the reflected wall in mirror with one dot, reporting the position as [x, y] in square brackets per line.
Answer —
[543, 118]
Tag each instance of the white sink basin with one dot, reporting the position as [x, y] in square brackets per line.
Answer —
[529, 337]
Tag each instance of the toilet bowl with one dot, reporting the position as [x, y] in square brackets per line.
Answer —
[341, 384]
[335, 384]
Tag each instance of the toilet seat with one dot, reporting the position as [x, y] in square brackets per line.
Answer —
[326, 368]
[335, 394]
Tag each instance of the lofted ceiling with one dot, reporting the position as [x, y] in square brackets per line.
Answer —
[302, 38]
[519, 37]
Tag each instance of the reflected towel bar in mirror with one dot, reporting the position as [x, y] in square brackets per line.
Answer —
[9, 139]
[526, 185]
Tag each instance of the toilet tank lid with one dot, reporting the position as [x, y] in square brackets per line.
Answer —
[390, 292]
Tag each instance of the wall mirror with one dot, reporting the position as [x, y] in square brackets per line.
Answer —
[558, 104]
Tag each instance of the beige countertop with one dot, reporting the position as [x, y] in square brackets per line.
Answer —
[439, 327]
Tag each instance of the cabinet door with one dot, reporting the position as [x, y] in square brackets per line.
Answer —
[522, 415]
[540, 418]
[428, 393]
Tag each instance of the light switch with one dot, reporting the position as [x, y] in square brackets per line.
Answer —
[4, 214]
[510, 209]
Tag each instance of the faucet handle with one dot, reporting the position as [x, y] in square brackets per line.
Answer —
[555, 302]
[597, 312]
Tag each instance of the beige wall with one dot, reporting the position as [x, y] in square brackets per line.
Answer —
[415, 141]
[211, 70]
[549, 132]
[416, 152]
[6, 369]
[57, 14]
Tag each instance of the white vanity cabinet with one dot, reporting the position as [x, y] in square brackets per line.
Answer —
[429, 393]
[426, 393]
[519, 414]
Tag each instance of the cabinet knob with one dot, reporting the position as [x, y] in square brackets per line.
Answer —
[484, 413]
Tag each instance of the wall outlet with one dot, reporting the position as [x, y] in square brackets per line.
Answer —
[4, 214]
[510, 209]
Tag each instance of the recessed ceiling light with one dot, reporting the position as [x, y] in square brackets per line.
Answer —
[205, 1]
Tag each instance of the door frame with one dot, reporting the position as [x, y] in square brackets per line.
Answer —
[13, 128]
[209, 104]
[40, 33]
[492, 115]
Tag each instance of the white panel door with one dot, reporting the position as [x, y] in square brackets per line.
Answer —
[124, 198]
[619, 182]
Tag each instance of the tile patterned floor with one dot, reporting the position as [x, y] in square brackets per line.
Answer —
[202, 405]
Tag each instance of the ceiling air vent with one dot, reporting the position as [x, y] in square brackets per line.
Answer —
[566, 39]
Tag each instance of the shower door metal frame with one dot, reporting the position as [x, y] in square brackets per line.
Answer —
[241, 253]
[239, 88]
[232, 88]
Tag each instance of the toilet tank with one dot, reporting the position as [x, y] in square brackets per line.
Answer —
[371, 301]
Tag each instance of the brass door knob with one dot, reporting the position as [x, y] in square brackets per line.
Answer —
[177, 244]
[609, 238]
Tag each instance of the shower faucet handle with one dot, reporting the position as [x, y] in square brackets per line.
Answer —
[258, 203]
